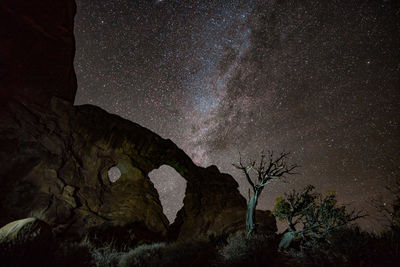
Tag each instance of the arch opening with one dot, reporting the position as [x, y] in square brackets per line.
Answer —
[114, 173]
[171, 187]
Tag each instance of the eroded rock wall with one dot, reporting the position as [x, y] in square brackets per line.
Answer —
[55, 164]
[54, 156]
[37, 49]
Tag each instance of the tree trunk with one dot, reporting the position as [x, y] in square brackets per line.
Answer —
[251, 215]
[287, 238]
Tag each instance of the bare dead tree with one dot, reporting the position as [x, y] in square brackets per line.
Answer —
[267, 170]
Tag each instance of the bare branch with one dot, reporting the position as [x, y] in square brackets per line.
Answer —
[245, 170]
[265, 171]
[317, 215]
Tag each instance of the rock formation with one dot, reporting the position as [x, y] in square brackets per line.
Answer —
[37, 51]
[54, 156]
[22, 240]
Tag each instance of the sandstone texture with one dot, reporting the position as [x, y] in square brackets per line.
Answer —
[56, 163]
[37, 49]
[54, 156]
[25, 239]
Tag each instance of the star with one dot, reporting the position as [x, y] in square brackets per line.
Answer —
[319, 79]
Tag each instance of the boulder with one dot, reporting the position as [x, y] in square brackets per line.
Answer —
[26, 241]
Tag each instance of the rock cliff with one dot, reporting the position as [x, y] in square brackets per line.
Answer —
[37, 50]
[54, 156]
[26, 238]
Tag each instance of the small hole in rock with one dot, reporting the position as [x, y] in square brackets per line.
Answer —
[114, 174]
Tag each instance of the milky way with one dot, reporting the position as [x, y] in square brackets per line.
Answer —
[320, 80]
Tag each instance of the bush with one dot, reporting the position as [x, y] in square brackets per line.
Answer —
[106, 256]
[259, 250]
[142, 255]
[84, 253]
[236, 248]
[388, 246]
[196, 253]
[190, 253]
[74, 254]
[311, 217]
[350, 246]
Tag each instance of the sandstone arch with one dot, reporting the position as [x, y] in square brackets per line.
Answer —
[70, 185]
[55, 156]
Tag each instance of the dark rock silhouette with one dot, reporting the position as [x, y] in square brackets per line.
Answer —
[25, 239]
[54, 157]
[37, 50]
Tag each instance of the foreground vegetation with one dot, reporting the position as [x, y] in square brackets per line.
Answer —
[347, 246]
[320, 233]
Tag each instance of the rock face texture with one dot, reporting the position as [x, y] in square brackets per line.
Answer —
[37, 50]
[25, 230]
[24, 239]
[54, 157]
[56, 163]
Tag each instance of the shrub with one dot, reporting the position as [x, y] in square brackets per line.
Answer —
[352, 245]
[388, 246]
[142, 255]
[84, 253]
[349, 246]
[236, 248]
[311, 217]
[189, 253]
[258, 250]
[194, 253]
[106, 256]
[74, 254]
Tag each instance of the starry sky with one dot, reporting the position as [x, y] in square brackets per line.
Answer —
[319, 79]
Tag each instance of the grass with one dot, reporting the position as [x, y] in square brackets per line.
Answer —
[348, 247]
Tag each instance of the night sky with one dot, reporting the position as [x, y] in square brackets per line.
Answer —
[319, 79]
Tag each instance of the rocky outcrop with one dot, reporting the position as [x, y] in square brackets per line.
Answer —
[54, 157]
[25, 230]
[213, 207]
[24, 240]
[56, 164]
[37, 50]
